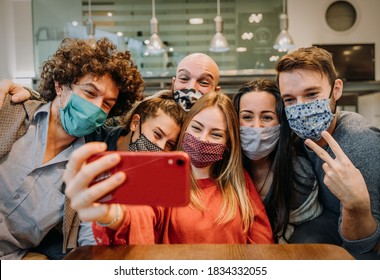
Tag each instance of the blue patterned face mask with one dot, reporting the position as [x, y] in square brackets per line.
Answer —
[308, 120]
[80, 117]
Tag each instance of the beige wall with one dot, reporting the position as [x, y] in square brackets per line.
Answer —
[369, 107]
[16, 27]
[307, 25]
[16, 45]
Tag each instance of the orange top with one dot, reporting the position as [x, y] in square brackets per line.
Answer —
[176, 225]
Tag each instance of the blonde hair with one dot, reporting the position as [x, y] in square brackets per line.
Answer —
[228, 172]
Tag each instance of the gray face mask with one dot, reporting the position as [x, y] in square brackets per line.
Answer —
[257, 143]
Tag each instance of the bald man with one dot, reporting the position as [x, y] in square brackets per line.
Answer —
[197, 71]
[196, 74]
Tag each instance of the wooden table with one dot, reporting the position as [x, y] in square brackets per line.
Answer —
[211, 252]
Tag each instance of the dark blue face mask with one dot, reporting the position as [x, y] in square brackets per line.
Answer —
[80, 117]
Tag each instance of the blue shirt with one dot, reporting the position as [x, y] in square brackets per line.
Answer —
[31, 192]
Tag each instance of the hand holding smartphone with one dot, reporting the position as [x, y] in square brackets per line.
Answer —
[153, 178]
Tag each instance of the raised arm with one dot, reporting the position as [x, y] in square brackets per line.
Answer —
[19, 93]
[346, 182]
[78, 175]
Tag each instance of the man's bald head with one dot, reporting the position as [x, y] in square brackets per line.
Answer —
[197, 71]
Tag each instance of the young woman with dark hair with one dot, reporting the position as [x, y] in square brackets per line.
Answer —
[284, 180]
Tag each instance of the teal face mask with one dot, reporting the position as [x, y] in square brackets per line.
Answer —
[80, 117]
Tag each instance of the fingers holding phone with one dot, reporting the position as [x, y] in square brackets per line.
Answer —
[79, 174]
[153, 178]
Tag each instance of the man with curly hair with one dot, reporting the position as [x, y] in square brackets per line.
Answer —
[83, 85]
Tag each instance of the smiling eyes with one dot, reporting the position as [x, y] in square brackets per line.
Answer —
[158, 135]
[107, 104]
[215, 134]
[310, 96]
[203, 82]
[266, 117]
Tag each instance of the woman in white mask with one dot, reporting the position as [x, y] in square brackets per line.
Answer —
[285, 181]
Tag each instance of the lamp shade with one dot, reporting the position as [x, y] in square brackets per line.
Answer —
[155, 45]
[219, 43]
[283, 42]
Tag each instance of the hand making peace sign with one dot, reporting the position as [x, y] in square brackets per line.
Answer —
[343, 179]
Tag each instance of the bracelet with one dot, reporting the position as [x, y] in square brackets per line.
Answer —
[114, 220]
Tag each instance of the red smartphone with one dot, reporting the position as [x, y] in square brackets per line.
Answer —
[153, 178]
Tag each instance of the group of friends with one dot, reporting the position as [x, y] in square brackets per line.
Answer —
[276, 163]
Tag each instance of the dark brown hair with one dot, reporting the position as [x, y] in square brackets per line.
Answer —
[311, 58]
[149, 107]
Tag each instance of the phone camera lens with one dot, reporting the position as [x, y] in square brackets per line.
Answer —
[180, 162]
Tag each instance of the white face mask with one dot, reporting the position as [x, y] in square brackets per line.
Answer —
[259, 142]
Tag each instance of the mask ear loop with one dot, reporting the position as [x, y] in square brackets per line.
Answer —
[65, 88]
[140, 126]
[336, 102]
[130, 140]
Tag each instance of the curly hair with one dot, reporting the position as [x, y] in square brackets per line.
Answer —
[76, 58]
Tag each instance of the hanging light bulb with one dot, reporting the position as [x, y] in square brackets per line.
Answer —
[219, 42]
[284, 42]
[90, 27]
[155, 45]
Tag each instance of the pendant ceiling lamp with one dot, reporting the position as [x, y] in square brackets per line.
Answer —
[284, 42]
[219, 42]
[155, 45]
[90, 26]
